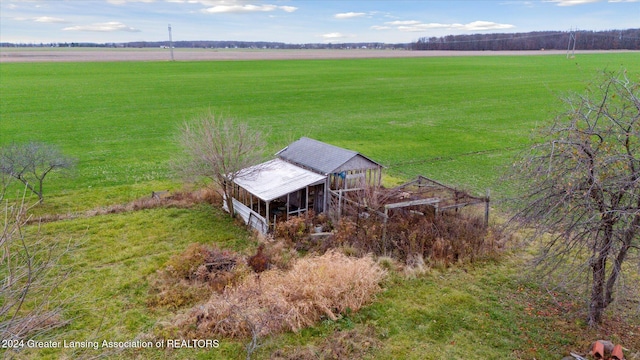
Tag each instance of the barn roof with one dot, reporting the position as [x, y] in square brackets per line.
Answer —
[276, 178]
[322, 157]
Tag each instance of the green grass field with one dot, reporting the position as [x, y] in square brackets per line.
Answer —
[453, 119]
[458, 120]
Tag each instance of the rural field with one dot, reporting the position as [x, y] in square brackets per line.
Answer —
[457, 119]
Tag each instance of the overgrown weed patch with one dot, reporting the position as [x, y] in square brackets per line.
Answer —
[191, 276]
[274, 301]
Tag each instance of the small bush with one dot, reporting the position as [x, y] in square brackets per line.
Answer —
[184, 265]
[276, 301]
[192, 275]
[260, 261]
[296, 228]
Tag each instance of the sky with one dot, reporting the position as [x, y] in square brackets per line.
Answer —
[299, 21]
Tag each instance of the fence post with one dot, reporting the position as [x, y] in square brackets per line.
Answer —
[486, 208]
[384, 228]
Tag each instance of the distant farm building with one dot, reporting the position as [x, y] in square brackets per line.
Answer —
[301, 178]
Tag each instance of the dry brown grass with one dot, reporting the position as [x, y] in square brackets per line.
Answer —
[178, 199]
[281, 255]
[277, 301]
[193, 275]
[349, 344]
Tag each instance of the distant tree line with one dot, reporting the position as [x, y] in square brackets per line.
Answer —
[551, 40]
[58, 44]
[222, 44]
[226, 44]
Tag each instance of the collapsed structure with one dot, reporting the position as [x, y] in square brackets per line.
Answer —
[313, 175]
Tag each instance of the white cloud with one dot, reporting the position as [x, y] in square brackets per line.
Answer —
[43, 19]
[379, 27]
[102, 27]
[220, 6]
[238, 8]
[485, 25]
[349, 15]
[288, 9]
[424, 27]
[582, 2]
[415, 26]
[334, 35]
[246, 8]
[571, 2]
[403, 22]
[49, 19]
[120, 2]
[330, 37]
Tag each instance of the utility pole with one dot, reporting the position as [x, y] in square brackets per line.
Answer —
[170, 43]
[572, 38]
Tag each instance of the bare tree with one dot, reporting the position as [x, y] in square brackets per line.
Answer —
[30, 163]
[582, 188]
[219, 149]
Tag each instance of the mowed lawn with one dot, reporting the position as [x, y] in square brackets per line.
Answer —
[457, 119]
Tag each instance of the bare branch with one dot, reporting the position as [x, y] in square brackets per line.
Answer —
[30, 271]
[581, 186]
[218, 149]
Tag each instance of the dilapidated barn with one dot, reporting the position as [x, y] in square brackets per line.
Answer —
[300, 179]
[344, 169]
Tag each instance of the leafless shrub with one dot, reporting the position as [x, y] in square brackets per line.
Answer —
[219, 149]
[30, 273]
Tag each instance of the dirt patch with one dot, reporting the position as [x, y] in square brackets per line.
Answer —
[152, 54]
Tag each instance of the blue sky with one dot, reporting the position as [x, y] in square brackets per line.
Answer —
[299, 21]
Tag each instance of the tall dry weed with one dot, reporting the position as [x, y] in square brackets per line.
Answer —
[178, 199]
[192, 275]
[277, 301]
